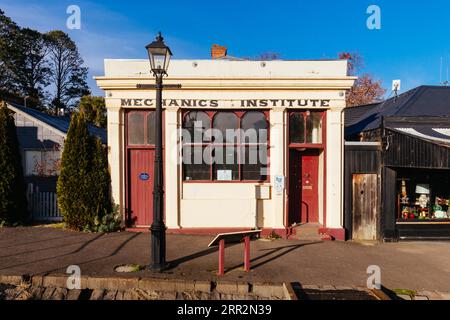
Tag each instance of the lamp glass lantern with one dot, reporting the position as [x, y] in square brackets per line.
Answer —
[159, 55]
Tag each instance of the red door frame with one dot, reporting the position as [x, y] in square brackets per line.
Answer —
[322, 146]
[129, 169]
[127, 148]
[303, 160]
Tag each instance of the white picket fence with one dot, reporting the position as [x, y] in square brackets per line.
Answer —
[43, 206]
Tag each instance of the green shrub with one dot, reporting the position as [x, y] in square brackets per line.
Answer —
[110, 222]
[84, 182]
[13, 202]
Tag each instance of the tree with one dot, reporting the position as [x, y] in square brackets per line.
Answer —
[7, 30]
[366, 90]
[101, 180]
[68, 75]
[13, 203]
[26, 60]
[94, 110]
[83, 185]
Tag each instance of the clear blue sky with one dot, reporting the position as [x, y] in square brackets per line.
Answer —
[413, 37]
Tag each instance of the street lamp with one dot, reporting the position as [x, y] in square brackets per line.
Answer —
[159, 55]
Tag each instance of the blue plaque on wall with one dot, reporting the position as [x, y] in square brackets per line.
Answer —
[144, 176]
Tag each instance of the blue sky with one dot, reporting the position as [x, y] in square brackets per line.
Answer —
[413, 36]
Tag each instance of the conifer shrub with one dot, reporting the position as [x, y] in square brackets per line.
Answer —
[13, 202]
[83, 187]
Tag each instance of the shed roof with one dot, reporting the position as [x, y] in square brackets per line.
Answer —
[423, 101]
[59, 123]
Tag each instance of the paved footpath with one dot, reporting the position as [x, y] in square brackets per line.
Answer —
[420, 266]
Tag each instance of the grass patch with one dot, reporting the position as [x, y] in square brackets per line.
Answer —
[59, 225]
[126, 268]
[273, 236]
[405, 292]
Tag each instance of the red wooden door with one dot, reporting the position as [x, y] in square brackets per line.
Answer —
[309, 185]
[303, 186]
[141, 162]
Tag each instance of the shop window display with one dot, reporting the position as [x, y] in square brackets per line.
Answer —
[423, 196]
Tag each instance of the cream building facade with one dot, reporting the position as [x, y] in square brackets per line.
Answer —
[302, 103]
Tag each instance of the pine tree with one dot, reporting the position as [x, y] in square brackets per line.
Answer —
[72, 187]
[67, 71]
[94, 110]
[101, 179]
[83, 185]
[13, 203]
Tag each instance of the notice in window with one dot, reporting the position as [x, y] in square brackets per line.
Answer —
[224, 175]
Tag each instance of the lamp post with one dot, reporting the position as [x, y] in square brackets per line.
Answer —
[159, 55]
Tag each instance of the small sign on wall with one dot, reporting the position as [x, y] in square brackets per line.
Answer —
[144, 176]
[224, 175]
[279, 185]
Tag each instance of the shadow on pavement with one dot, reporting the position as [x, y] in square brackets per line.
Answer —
[270, 252]
[79, 249]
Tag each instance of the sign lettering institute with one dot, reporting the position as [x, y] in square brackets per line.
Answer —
[247, 103]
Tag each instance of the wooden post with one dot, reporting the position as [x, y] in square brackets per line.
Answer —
[247, 254]
[221, 258]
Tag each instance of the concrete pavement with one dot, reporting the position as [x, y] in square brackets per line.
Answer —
[407, 265]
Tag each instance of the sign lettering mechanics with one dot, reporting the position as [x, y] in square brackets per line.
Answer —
[246, 103]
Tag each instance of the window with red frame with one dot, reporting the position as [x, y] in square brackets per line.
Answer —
[305, 127]
[225, 145]
[141, 128]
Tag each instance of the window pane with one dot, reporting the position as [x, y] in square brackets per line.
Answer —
[254, 125]
[224, 121]
[296, 128]
[151, 119]
[135, 128]
[196, 123]
[52, 160]
[314, 127]
[196, 163]
[225, 167]
[254, 165]
[33, 163]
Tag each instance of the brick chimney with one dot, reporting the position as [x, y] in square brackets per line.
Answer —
[218, 51]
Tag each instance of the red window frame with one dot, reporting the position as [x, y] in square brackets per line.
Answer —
[305, 144]
[240, 114]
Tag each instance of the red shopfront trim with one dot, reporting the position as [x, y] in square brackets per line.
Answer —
[284, 233]
[128, 147]
[321, 146]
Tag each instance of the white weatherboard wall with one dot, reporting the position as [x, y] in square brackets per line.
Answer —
[234, 204]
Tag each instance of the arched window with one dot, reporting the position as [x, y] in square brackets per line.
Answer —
[227, 123]
[227, 154]
[196, 123]
[254, 121]
[254, 157]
